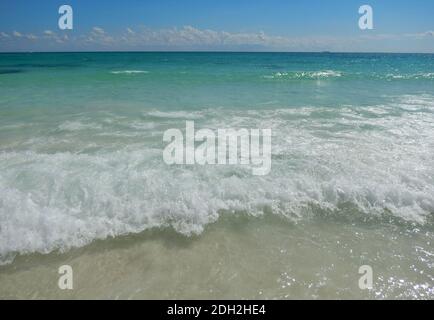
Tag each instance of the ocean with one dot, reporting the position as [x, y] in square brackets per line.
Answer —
[83, 181]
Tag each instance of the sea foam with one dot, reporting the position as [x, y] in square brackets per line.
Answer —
[306, 75]
[129, 72]
[354, 160]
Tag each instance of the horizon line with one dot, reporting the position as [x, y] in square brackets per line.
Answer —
[216, 51]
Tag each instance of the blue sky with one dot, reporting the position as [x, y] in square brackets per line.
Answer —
[262, 25]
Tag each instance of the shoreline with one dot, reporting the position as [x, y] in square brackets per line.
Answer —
[249, 258]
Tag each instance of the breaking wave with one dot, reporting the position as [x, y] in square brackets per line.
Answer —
[130, 72]
[372, 160]
[305, 75]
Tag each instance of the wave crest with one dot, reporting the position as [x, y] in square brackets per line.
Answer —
[129, 72]
[372, 160]
[306, 75]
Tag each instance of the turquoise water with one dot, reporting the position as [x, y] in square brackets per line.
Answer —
[352, 158]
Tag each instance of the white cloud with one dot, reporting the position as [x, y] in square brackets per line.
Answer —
[420, 35]
[31, 37]
[99, 37]
[98, 30]
[191, 38]
[49, 33]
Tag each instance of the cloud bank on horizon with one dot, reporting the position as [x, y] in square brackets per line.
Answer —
[238, 25]
[190, 38]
